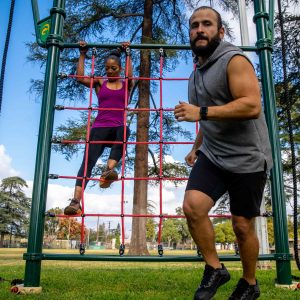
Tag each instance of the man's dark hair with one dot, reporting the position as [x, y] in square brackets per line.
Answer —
[219, 19]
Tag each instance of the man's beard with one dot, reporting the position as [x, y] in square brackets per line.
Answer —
[205, 51]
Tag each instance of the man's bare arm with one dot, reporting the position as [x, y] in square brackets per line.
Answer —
[244, 88]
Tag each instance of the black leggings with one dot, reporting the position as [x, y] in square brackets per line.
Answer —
[95, 150]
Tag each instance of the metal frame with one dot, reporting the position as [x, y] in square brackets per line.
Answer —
[55, 44]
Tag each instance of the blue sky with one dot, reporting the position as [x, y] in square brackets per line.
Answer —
[20, 116]
[20, 112]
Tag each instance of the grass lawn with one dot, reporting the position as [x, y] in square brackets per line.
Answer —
[127, 280]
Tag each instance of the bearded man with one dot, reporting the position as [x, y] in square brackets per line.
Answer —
[231, 152]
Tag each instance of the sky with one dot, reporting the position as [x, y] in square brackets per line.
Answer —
[20, 117]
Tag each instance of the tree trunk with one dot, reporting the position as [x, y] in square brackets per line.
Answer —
[138, 245]
[10, 237]
[2, 239]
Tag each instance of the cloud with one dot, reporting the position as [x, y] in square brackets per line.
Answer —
[108, 201]
[96, 201]
[6, 170]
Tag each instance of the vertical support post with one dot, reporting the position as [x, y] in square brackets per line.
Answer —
[36, 17]
[36, 229]
[264, 45]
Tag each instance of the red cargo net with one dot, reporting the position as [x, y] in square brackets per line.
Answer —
[161, 142]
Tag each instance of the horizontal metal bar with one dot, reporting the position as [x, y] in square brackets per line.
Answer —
[147, 46]
[89, 257]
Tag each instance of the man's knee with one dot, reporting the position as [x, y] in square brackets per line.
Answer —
[243, 227]
[196, 204]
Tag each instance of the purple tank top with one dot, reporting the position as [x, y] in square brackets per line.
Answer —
[108, 99]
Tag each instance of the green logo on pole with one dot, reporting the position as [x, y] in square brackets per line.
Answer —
[44, 29]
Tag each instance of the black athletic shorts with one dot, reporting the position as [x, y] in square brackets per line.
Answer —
[245, 189]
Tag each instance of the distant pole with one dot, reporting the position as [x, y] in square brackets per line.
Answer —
[97, 237]
[243, 23]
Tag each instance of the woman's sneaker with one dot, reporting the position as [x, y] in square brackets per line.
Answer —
[74, 208]
[245, 291]
[107, 178]
[212, 279]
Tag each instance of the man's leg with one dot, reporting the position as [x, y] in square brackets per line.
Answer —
[244, 229]
[246, 191]
[247, 287]
[196, 206]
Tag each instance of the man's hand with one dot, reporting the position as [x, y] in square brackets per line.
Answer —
[191, 158]
[186, 112]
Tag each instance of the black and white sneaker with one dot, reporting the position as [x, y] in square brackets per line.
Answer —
[212, 279]
[245, 291]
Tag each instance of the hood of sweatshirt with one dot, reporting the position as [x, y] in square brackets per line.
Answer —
[223, 48]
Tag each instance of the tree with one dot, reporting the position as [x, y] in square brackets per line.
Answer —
[224, 233]
[148, 21]
[170, 232]
[219, 235]
[151, 226]
[118, 235]
[14, 208]
[182, 226]
[69, 228]
[287, 93]
[102, 233]
[52, 224]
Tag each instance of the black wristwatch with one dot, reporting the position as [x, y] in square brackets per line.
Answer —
[203, 113]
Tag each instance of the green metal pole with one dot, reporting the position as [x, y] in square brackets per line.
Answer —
[145, 46]
[36, 16]
[264, 44]
[157, 258]
[36, 229]
[36, 19]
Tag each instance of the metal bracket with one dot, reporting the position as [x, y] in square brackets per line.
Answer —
[260, 15]
[54, 40]
[283, 256]
[264, 44]
[33, 256]
[57, 10]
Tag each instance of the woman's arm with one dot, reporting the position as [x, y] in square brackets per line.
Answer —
[80, 67]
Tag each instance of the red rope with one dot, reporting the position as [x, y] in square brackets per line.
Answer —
[87, 146]
[161, 61]
[124, 151]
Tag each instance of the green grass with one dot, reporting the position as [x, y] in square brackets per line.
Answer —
[127, 280]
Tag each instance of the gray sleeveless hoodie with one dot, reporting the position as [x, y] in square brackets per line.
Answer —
[238, 146]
